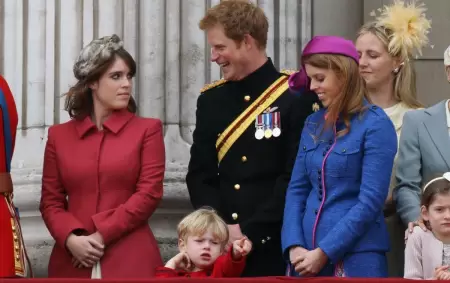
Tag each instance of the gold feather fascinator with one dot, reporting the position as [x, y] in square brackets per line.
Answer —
[408, 27]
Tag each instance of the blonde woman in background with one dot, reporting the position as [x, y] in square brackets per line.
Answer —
[386, 66]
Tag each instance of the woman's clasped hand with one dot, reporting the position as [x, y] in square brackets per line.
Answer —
[307, 263]
[86, 250]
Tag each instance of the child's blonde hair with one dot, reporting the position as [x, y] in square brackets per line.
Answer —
[198, 222]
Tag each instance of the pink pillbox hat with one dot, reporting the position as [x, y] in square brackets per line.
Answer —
[322, 45]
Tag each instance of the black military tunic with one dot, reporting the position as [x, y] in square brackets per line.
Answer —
[248, 187]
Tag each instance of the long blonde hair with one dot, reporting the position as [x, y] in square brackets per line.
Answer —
[405, 89]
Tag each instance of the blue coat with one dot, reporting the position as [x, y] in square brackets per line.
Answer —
[349, 210]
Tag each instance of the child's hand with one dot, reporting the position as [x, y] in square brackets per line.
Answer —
[241, 248]
[442, 273]
[180, 261]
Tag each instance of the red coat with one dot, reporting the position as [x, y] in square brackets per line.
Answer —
[224, 266]
[13, 260]
[114, 182]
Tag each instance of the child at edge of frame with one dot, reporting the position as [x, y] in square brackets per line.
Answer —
[427, 253]
[204, 250]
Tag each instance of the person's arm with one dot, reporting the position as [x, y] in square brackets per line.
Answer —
[202, 178]
[380, 147]
[413, 256]
[271, 211]
[297, 193]
[53, 204]
[114, 223]
[165, 272]
[409, 171]
[226, 266]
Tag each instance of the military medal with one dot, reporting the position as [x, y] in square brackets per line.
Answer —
[277, 127]
[259, 134]
[268, 125]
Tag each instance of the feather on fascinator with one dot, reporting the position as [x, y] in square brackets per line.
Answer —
[408, 25]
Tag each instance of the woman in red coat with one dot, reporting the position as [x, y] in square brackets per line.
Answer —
[13, 258]
[103, 173]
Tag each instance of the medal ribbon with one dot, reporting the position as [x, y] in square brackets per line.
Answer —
[270, 120]
[259, 121]
[276, 119]
[266, 121]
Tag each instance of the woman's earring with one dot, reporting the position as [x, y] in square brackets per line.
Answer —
[396, 70]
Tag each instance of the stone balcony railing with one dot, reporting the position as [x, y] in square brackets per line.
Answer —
[174, 206]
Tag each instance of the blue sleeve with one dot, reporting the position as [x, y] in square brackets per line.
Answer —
[296, 196]
[409, 172]
[380, 147]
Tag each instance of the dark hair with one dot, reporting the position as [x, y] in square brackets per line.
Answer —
[438, 187]
[79, 102]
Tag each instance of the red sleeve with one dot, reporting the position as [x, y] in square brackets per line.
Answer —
[225, 266]
[53, 204]
[114, 223]
[165, 272]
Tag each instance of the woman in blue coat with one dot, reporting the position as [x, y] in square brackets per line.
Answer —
[333, 217]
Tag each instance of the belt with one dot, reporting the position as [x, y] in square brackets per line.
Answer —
[6, 184]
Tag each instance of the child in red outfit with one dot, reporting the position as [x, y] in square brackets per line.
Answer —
[202, 237]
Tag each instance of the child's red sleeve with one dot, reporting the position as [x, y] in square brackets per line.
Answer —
[225, 266]
[165, 272]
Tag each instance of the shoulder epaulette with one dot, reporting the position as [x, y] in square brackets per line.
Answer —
[213, 85]
[288, 72]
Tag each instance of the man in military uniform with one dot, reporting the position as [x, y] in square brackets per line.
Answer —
[247, 134]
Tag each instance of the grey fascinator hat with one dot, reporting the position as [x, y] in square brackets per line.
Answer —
[96, 53]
